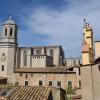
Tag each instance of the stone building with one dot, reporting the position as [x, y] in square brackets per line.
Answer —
[72, 61]
[90, 68]
[43, 65]
[42, 56]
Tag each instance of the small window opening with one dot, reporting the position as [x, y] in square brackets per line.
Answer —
[26, 83]
[5, 31]
[11, 31]
[50, 83]
[59, 83]
[40, 83]
[2, 67]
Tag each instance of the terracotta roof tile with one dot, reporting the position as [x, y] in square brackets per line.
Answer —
[41, 69]
[25, 93]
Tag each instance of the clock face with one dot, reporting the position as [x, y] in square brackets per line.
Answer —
[3, 57]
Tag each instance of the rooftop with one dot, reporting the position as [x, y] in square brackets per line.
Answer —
[10, 21]
[43, 70]
[24, 92]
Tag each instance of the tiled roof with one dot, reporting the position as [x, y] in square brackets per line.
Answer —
[25, 92]
[41, 70]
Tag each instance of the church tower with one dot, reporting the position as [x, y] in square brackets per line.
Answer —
[8, 47]
[87, 46]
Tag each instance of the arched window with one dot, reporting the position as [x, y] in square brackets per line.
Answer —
[5, 31]
[3, 58]
[51, 52]
[25, 58]
[11, 31]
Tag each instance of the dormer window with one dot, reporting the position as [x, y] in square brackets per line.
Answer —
[5, 31]
[11, 31]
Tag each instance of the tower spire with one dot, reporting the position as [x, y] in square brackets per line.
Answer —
[10, 17]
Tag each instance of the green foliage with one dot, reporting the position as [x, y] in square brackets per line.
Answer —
[69, 89]
[69, 92]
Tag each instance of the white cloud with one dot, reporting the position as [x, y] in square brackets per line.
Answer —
[65, 27]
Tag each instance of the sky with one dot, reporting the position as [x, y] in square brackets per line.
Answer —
[52, 22]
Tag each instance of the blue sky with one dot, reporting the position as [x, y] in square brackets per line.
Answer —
[52, 22]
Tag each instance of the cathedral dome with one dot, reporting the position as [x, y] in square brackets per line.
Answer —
[10, 21]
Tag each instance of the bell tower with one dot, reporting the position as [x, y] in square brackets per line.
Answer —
[9, 31]
[87, 46]
[8, 48]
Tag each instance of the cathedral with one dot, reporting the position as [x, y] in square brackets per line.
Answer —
[32, 66]
[47, 65]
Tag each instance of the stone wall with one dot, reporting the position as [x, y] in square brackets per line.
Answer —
[34, 78]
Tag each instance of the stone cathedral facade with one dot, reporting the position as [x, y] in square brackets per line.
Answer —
[43, 65]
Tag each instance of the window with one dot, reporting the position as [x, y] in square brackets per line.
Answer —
[45, 50]
[21, 74]
[40, 83]
[80, 84]
[50, 83]
[2, 67]
[3, 58]
[3, 54]
[69, 84]
[11, 31]
[51, 52]
[31, 74]
[74, 62]
[25, 58]
[59, 83]
[71, 69]
[26, 83]
[5, 31]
